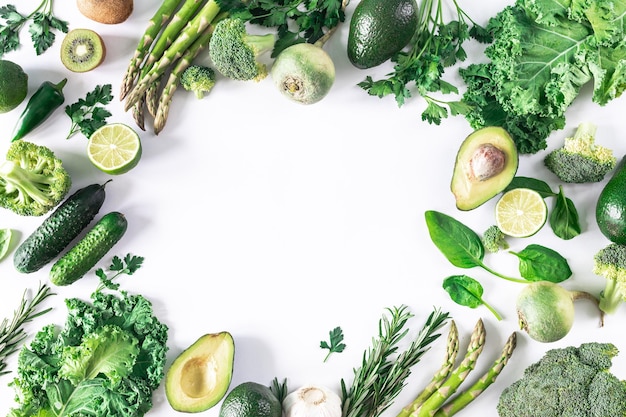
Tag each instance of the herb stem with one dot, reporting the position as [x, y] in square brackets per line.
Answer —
[518, 280]
[12, 333]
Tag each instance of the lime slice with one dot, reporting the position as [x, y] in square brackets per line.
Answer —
[521, 212]
[114, 148]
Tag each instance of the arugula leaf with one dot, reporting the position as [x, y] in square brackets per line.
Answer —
[87, 114]
[468, 292]
[41, 27]
[336, 342]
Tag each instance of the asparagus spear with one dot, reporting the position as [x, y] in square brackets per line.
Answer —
[468, 395]
[152, 96]
[452, 350]
[185, 39]
[172, 82]
[155, 25]
[449, 387]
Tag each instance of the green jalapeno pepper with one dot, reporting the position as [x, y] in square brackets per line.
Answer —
[41, 105]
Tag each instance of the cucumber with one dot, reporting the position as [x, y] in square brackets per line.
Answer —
[83, 256]
[59, 229]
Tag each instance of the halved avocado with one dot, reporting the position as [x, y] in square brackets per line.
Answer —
[485, 164]
[200, 376]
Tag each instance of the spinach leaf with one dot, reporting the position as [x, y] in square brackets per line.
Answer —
[531, 183]
[538, 263]
[468, 292]
[564, 217]
[5, 241]
[458, 243]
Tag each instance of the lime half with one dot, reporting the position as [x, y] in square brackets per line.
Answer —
[115, 148]
[521, 212]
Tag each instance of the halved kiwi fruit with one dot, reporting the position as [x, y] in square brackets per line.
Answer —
[82, 50]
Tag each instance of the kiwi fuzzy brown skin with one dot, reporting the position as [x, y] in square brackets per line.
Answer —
[106, 11]
[82, 50]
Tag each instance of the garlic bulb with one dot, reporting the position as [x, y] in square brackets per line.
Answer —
[312, 401]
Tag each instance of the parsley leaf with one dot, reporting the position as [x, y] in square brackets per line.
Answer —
[296, 21]
[88, 114]
[436, 45]
[41, 27]
[335, 343]
[129, 265]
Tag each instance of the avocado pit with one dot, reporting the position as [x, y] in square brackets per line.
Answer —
[487, 162]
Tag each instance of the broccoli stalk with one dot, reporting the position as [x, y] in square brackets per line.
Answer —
[32, 179]
[580, 159]
[235, 53]
[610, 263]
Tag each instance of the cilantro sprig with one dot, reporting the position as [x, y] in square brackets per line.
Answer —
[128, 265]
[335, 344]
[41, 27]
[88, 114]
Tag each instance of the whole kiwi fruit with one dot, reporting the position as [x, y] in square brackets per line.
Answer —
[82, 50]
[106, 11]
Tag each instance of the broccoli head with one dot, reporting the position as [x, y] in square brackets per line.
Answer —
[235, 52]
[610, 263]
[198, 79]
[32, 179]
[493, 239]
[580, 159]
[570, 381]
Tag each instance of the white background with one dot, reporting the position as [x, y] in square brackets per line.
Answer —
[278, 222]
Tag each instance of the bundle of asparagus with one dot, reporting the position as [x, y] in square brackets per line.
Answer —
[175, 35]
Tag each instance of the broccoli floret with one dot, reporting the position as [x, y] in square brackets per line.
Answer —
[610, 263]
[493, 239]
[32, 179]
[570, 381]
[198, 79]
[580, 159]
[235, 52]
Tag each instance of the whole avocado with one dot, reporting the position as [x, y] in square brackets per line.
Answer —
[611, 206]
[379, 29]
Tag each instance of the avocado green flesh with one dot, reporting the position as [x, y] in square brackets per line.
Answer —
[379, 29]
[470, 191]
[611, 206]
[200, 376]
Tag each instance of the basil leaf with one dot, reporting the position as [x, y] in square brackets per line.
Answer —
[532, 183]
[458, 243]
[564, 219]
[538, 263]
[5, 241]
[466, 291]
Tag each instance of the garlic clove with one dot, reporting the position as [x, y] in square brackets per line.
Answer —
[312, 401]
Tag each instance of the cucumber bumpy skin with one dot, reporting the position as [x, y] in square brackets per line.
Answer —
[59, 229]
[89, 250]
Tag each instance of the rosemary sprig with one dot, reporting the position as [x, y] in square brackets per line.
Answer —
[12, 333]
[382, 374]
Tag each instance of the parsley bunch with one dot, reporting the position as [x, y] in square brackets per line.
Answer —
[87, 113]
[41, 28]
[296, 21]
[436, 45]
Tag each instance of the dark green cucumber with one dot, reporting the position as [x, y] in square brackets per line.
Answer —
[83, 256]
[59, 229]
